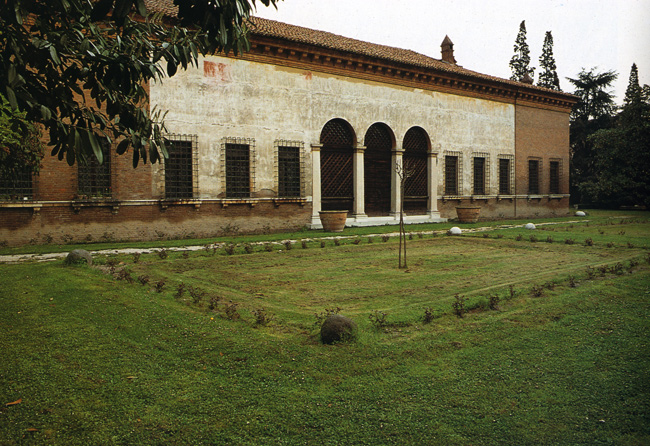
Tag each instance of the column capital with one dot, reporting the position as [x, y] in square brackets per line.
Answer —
[316, 147]
[359, 148]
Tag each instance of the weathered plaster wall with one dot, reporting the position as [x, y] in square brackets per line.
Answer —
[228, 97]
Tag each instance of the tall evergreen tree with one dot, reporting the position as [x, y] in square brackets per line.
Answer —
[548, 76]
[621, 164]
[593, 112]
[519, 64]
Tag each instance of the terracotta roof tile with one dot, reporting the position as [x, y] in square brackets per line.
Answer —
[323, 39]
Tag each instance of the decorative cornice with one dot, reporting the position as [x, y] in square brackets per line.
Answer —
[313, 58]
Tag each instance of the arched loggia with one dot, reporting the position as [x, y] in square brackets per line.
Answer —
[379, 142]
[338, 140]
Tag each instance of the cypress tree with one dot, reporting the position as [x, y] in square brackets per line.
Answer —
[521, 59]
[548, 77]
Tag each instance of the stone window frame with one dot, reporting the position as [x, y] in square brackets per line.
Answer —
[300, 189]
[559, 176]
[537, 190]
[511, 173]
[188, 180]
[227, 174]
[459, 173]
[486, 172]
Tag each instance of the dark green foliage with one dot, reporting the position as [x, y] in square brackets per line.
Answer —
[569, 241]
[213, 303]
[322, 243]
[589, 241]
[162, 253]
[548, 75]
[533, 239]
[124, 274]
[103, 47]
[268, 247]
[136, 257]
[197, 294]
[591, 113]
[494, 302]
[520, 61]
[385, 238]
[143, 279]
[337, 328]
[248, 249]
[549, 239]
[303, 243]
[20, 142]
[572, 282]
[356, 241]
[288, 245]
[229, 248]
[337, 242]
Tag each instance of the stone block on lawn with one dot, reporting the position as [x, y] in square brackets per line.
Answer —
[530, 226]
[455, 231]
[79, 256]
[581, 214]
[337, 328]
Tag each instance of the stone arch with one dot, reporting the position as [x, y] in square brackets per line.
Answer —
[416, 145]
[379, 142]
[338, 140]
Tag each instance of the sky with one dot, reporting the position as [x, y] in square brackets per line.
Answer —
[606, 34]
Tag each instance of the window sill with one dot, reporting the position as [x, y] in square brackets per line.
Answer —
[77, 205]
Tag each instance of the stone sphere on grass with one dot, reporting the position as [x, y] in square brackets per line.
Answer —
[337, 328]
[581, 214]
[78, 256]
[530, 226]
[454, 231]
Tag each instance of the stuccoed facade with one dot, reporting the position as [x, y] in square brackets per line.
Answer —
[308, 121]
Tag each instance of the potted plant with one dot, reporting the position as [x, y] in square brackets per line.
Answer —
[333, 221]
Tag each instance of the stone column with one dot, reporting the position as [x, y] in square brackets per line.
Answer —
[432, 170]
[315, 184]
[395, 183]
[358, 178]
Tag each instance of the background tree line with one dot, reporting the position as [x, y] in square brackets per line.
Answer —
[610, 145]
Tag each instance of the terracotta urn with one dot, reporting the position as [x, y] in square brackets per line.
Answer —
[468, 214]
[333, 221]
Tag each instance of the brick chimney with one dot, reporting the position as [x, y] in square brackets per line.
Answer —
[447, 47]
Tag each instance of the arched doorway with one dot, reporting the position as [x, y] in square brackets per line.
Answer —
[338, 140]
[377, 169]
[416, 188]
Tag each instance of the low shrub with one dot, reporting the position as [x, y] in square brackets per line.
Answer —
[459, 305]
[261, 316]
[378, 319]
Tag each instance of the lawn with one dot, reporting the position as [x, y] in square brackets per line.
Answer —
[177, 347]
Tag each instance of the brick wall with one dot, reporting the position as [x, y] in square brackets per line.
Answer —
[60, 223]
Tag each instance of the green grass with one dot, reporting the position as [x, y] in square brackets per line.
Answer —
[96, 360]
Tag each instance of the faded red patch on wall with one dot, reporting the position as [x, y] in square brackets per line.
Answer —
[216, 71]
[307, 75]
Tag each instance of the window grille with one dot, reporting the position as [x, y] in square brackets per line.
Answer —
[181, 168]
[480, 173]
[338, 142]
[289, 168]
[555, 172]
[506, 174]
[17, 186]
[416, 146]
[239, 168]
[453, 173]
[534, 168]
[94, 179]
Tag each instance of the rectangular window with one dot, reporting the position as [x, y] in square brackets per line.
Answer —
[238, 178]
[451, 175]
[534, 166]
[479, 175]
[180, 167]
[17, 186]
[554, 180]
[504, 176]
[289, 168]
[94, 179]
